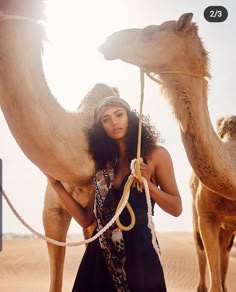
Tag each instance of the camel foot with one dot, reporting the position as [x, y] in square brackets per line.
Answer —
[216, 289]
[202, 288]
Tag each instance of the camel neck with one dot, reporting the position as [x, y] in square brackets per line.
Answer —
[39, 124]
[207, 154]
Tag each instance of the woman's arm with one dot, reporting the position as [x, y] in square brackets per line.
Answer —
[83, 215]
[167, 196]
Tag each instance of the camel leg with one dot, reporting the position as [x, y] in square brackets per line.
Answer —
[226, 243]
[201, 255]
[56, 223]
[209, 230]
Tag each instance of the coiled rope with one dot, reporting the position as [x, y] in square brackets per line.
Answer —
[136, 177]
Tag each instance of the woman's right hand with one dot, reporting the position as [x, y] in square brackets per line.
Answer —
[83, 215]
[52, 180]
[56, 184]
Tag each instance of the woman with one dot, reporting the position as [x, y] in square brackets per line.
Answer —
[122, 260]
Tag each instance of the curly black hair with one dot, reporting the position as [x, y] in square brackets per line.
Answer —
[103, 149]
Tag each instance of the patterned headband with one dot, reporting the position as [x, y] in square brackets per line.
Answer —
[107, 102]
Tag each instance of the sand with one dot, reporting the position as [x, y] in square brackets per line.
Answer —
[25, 268]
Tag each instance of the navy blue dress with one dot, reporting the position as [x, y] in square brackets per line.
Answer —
[143, 268]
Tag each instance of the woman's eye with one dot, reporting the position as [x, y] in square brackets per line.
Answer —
[105, 120]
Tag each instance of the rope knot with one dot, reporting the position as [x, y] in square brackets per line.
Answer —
[136, 173]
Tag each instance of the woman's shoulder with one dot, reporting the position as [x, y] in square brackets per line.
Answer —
[158, 158]
[158, 153]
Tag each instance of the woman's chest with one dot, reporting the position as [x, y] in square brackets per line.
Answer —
[119, 176]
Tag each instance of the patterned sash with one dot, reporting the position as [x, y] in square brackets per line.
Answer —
[111, 241]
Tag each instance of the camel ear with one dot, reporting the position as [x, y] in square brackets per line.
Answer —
[184, 22]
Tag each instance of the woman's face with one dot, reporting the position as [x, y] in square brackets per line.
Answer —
[115, 122]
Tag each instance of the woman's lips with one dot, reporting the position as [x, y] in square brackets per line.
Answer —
[116, 130]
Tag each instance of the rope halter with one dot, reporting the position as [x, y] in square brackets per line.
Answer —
[173, 72]
[4, 17]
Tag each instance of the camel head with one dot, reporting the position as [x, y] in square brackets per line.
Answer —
[172, 45]
[226, 128]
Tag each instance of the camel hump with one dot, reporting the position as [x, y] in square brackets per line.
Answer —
[226, 127]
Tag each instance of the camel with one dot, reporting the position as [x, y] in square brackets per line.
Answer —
[173, 54]
[51, 137]
[219, 209]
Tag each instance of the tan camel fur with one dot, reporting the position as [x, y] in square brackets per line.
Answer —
[51, 137]
[174, 54]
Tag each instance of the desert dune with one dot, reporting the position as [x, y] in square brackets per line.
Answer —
[25, 267]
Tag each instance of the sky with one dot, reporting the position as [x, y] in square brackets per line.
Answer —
[72, 65]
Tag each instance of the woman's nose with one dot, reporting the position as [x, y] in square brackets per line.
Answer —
[114, 121]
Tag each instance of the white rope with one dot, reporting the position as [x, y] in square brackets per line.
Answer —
[150, 221]
[4, 17]
[59, 243]
[66, 243]
[149, 210]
